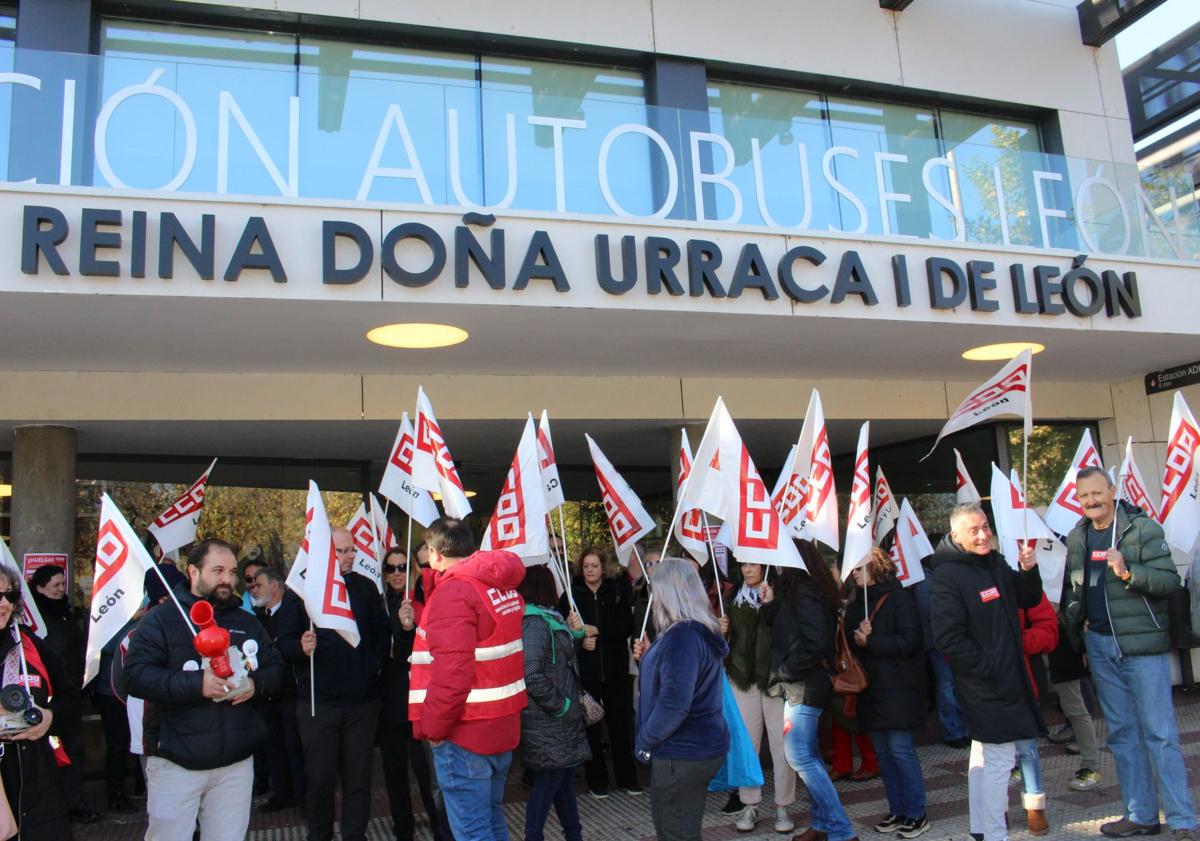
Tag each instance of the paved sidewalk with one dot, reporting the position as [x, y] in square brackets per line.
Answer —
[621, 817]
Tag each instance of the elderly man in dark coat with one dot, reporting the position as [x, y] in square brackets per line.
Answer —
[974, 600]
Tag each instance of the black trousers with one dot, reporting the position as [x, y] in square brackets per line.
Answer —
[285, 758]
[398, 751]
[617, 697]
[338, 742]
[678, 790]
[115, 722]
[69, 725]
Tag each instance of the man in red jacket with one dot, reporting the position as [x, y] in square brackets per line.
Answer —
[467, 685]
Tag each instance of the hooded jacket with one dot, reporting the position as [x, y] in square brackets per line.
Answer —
[455, 621]
[974, 601]
[552, 731]
[681, 695]
[194, 732]
[894, 657]
[1137, 607]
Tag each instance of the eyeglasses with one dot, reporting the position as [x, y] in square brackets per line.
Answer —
[13, 596]
[390, 568]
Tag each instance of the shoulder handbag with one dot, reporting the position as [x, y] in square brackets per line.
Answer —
[849, 676]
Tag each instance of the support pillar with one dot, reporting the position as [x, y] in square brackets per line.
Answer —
[43, 500]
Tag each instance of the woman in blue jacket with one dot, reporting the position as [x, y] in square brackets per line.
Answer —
[681, 728]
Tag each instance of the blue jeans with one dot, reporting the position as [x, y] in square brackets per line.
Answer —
[947, 703]
[552, 787]
[1031, 773]
[1135, 694]
[473, 789]
[800, 748]
[901, 772]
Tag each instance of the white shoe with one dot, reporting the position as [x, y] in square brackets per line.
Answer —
[783, 821]
[747, 819]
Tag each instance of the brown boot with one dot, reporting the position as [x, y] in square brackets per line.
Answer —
[1035, 821]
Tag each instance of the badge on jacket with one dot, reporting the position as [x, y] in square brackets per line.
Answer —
[989, 595]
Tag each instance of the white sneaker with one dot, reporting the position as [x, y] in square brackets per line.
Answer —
[747, 819]
[783, 821]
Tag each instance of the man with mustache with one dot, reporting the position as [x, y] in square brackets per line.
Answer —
[200, 761]
[1115, 599]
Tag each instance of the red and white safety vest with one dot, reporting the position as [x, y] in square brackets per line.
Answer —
[498, 688]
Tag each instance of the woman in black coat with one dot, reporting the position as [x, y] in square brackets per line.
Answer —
[27, 763]
[802, 613]
[397, 748]
[65, 635]
[553, 737]
[890, 644]
[604, 606]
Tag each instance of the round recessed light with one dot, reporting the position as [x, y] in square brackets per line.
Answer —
[417, 336]
[1003, 350]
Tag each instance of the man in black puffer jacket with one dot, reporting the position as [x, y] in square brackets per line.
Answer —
[201, 762]
[974, 599]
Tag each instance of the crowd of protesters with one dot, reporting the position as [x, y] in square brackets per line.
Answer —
[470, 660]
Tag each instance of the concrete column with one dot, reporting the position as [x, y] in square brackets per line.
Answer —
[43, 500]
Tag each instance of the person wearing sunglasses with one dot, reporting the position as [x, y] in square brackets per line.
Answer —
[395, 738]
[32, 798]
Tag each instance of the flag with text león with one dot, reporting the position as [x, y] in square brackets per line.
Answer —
[689, 530]
[118, 586]
[518, 524]
[548, 464]
[323, 588]
[1132, 487]
[31, 617]
[176, 527]
[756, 533]
[805, 495]
[397, 483]
[964, 488]
[1064, 512]
[1006, 394]
[859, 518]
[367, 549]
[1179, 510]
[909, 546]
[432, 466]
[887, 513]
[628, 520]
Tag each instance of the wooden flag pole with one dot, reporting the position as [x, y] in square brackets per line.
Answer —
[312, 677]
[562, 532]
[408, 559]
[712, 553]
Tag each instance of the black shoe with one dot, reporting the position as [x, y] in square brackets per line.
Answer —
[119, 804]
[964, 742]
[83, 815]
[1125, 828]
[277, 804]
[733, 805]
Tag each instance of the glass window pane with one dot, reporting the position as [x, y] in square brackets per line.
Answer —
[873, 128]
[986, 151]
[147, 138]
[358, 97]
[791, 134]
[601, 97]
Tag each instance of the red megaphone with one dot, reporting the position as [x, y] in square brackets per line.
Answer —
[212, 641]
